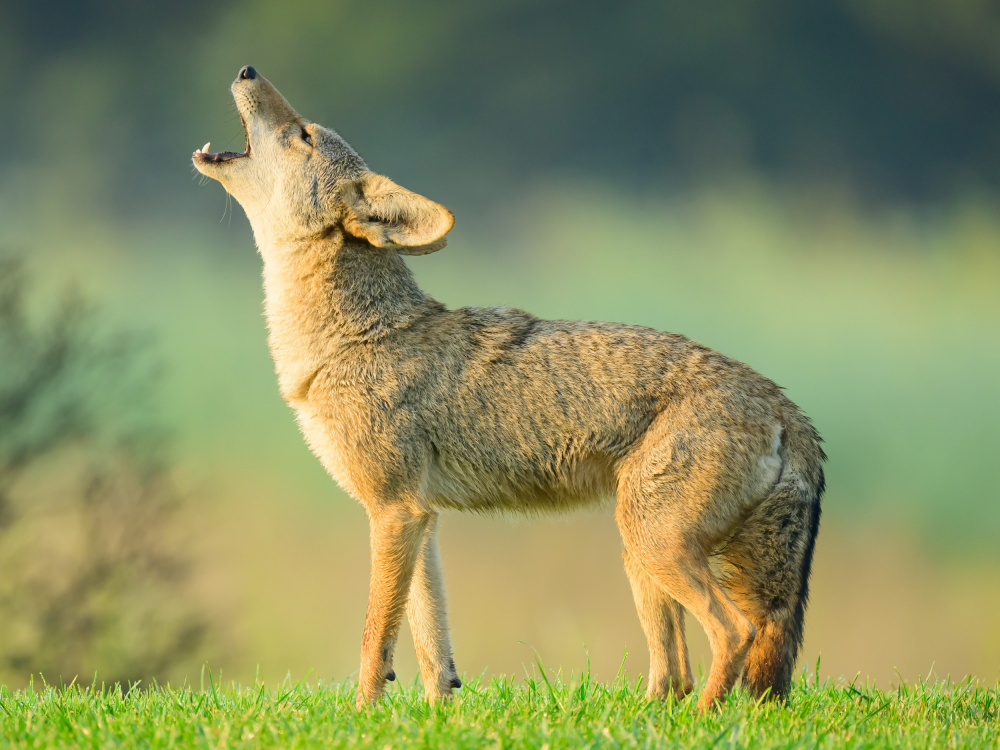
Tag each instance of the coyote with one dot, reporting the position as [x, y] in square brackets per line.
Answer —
[414, 408]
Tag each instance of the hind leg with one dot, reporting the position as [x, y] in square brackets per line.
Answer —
[667, 544]
[662, 620]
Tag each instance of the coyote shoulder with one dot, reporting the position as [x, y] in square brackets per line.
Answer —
[414, 409]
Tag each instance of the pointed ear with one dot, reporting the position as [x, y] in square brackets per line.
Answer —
[387, 215]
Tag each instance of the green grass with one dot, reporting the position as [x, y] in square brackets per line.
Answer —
[502, 713]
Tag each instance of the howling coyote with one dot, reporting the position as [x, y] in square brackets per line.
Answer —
[414, 408]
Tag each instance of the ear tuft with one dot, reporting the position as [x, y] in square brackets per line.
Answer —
[390, 216]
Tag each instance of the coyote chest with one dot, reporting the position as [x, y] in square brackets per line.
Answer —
[342, 428]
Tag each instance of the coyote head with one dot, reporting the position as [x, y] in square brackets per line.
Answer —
[299, 180]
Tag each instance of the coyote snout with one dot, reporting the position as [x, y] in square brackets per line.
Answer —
[414, 408]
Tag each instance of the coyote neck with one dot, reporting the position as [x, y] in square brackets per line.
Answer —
[324, 295]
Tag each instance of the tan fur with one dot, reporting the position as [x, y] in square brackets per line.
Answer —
[414, 408]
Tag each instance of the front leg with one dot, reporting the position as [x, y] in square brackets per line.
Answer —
[396, 535]
[428, 618]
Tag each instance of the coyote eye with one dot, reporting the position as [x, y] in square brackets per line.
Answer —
[306, 137]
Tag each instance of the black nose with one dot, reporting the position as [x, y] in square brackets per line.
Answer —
[247, 73]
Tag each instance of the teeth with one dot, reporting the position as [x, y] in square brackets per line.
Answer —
[205, 147]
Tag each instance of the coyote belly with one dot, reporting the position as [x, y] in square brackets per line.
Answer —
[415, 409]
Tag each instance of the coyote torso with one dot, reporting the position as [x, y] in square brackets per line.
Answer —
[493, 409]
[414, 408]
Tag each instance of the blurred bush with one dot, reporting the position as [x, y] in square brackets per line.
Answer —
[93, 580]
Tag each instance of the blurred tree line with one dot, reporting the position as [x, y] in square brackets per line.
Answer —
[896, 99]
[93, 573]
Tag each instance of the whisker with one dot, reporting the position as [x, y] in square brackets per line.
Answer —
[202, 179]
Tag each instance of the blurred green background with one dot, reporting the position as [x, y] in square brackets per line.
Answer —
[812, 188]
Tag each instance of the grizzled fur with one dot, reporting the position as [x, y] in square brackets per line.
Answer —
[414, 408]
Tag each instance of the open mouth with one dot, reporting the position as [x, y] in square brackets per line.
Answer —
[204, 155]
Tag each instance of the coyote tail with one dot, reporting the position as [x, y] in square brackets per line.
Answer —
[767, 566]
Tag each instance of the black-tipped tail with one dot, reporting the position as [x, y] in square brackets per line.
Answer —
[769, 561]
